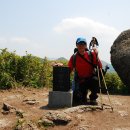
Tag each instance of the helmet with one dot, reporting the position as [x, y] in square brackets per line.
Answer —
[81, 40]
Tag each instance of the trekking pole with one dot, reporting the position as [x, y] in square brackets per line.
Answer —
[106, 89]
[99, 81]
[100, 87]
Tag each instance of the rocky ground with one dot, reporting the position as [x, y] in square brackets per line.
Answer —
[27, 109]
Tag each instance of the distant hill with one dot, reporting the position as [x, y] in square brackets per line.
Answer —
[61, 58]
[111, 69]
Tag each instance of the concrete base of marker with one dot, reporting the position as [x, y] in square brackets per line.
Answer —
[60, 99]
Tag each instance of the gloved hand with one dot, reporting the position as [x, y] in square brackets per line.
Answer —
[95, 50]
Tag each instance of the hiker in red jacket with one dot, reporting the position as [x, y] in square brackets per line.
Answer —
[83, 65]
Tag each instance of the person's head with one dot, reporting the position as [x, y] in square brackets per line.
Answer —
[81, 44]
[81, 40]
[94, 38]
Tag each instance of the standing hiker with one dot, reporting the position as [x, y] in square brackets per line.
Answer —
[93, 44]
[83, 63]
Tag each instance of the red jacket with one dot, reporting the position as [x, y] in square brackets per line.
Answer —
[84, 69]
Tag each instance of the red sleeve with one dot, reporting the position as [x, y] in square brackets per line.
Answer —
[96, 60]
[70, 63]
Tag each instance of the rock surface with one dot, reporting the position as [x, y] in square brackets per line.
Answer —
[40, 117]
[120, 56]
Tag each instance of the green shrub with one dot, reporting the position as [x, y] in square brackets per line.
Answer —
[115, 85]
[25, 70]
[7, 69]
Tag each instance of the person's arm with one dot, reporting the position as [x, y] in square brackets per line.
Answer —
[96, 60]
[90, 44]
[70, 64]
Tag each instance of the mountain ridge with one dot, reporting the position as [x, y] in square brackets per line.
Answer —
[111, 69]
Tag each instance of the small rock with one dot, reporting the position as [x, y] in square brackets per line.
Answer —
[7, 107]
[19, 113]
[58, 118]
[30, 101]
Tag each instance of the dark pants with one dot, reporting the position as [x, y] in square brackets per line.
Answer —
[80, 94]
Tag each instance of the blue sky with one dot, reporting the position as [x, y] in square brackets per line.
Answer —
[51, 27]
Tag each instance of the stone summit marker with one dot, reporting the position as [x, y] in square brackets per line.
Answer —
[62, 95]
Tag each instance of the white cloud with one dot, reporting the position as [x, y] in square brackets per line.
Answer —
[84, 26]
[20, 45]
[81, 26]
[19, 40]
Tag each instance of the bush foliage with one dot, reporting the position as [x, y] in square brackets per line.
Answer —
[115, 85]
[32, 71]
[25, 70]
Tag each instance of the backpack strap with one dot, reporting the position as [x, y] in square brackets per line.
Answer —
[90, 62]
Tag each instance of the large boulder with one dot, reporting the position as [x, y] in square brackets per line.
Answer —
[120, 56]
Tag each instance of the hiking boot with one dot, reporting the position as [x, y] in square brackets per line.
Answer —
[93, 102]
